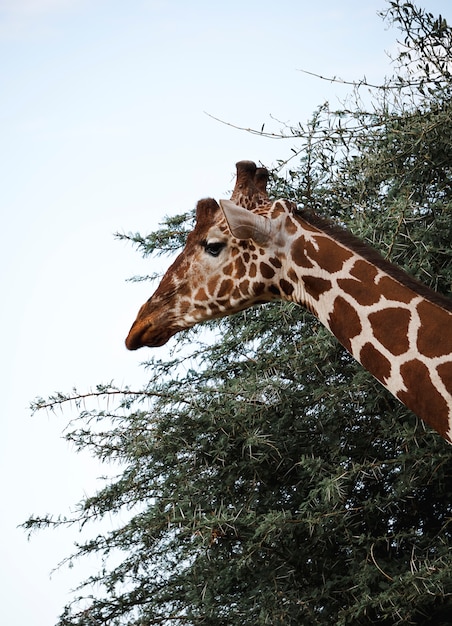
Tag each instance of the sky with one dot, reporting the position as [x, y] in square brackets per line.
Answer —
[106, 126]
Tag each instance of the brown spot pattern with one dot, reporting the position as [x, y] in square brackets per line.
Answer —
[445, 373]
[290, 226]
[235, 293]
[316, 286]
[363, 295]
[330, 256]
[362, 270]
[185, 304]
[298, 253]
[392, 290]
[266, 270]
[278, 208]
[344, 322]
[390, 328]
[275, 262]
[225, 288]
[423, 397]
[286, 287]
[244, 286]
[201, 294]
[435, 333]
[375, 362]
[211, 285]
[240, 268]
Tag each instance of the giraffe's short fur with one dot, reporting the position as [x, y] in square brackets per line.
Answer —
[251, 250]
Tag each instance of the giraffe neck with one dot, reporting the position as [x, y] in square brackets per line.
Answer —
[397, 328]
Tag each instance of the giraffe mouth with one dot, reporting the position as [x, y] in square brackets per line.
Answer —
[145, 335]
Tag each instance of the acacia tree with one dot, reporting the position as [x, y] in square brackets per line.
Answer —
[268, 478]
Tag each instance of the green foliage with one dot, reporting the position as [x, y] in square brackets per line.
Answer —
[170, 238]
[266, 478]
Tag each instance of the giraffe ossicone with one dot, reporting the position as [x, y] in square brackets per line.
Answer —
[249, 250]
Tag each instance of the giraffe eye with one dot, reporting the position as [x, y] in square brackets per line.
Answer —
[214, 248]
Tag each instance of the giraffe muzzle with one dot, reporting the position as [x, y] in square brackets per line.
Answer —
[146, 335]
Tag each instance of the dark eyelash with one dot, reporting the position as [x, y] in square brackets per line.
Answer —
[214, 248]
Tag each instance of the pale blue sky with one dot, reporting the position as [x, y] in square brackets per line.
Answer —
[104, 128]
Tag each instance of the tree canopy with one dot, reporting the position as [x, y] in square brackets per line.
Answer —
[265, 477]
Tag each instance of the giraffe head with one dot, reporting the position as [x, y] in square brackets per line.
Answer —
[228, 263]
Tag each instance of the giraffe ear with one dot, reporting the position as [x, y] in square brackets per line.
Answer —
[245, 224]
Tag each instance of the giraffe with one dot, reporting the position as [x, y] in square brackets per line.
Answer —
[249, 250]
